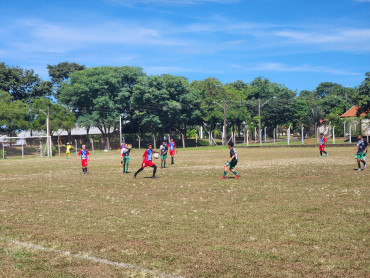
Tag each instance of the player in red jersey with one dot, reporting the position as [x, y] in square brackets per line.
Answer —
[85, 155]
[323, 140]
[172, 148]
[148, 161]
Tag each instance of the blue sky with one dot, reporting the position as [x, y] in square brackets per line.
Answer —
[297, 43]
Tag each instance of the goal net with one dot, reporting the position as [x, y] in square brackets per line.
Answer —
[21, 147]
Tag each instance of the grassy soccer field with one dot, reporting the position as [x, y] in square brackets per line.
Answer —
[291, 214]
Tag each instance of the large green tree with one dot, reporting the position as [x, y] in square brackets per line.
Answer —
[362, 97]
[101, 94]
[13, 114]
[165, 103]
[23, 84]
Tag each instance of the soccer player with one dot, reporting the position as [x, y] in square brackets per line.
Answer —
[323, 140]
[172, 148]
[85, 156]
[121, 147]
[231, 162]
[147, 161]
[68, 150]
[361, 148]
[126, 158]
[164, 150]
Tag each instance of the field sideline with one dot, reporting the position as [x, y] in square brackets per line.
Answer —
[291, 214]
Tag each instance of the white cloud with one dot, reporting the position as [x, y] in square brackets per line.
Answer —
[278, 67]
[172, 2]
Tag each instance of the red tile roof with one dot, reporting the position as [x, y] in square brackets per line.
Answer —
[353, 112]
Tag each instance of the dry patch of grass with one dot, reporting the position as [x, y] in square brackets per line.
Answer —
[291, 214]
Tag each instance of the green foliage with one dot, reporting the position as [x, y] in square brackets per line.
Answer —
[45, 150]
[60, 117]
[22, 84]
[62, 71]
[12, 114]
[98, 96]
[1, 153]
[166, 102]
[362, 97]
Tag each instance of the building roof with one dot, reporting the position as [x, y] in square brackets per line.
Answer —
[353, 112]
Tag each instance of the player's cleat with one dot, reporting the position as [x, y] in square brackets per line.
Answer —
[320, 155]
[223, 177]
[365, 165]
[237, 176]
[134, 176]
[154, 177]
[359, 169]
[327, 154]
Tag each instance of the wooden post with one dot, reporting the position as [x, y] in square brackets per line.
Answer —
[247, 136]
[3, 151]
[333, 135]
[40, 149]
[138, 137]
[196, 139]
[274, 135]
[59, 144]
[22, 150]
[183, 140]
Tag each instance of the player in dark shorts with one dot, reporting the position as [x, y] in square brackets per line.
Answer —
[323, 140]
[361, 148]
[148, 161]
[231, 162]
[164, 150]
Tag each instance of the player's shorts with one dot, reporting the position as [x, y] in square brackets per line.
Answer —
[164, 156]
[126, 159]
[147, 163]
[84, 162]
[322, 147]
[172, 152]
[231, 164]
[360, 156]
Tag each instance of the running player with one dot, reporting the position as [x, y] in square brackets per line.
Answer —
[361, 148]
[172, 148]
[231, 162]
[323, 140]
[85, 155]
[164, 149]
[68, 150]
[147, 161]
[126, 158]
[121, 147]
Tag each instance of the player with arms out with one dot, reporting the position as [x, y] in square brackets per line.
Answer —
[68, 150]
[148, 161]
[231, 162]
[164, 150]
[361, 148]
[85, 156]
[172, 148]
[323, 140]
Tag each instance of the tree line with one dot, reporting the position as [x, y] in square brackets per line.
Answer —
[161, 104]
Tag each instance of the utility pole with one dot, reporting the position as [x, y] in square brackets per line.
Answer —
[224, 129]
[48, 133]
[120, 128]
[259, 120]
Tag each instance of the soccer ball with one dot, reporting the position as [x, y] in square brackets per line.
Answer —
[156, 156]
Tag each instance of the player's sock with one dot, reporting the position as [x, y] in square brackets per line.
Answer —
[161, 164]
[320, 153]
[154, 169]
[359, 165]
[127, 167]
[83, 170]
[138, 171]
[172, 160]
[225, 173]
[235, 173]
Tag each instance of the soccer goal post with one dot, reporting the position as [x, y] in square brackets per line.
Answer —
[26, 146]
